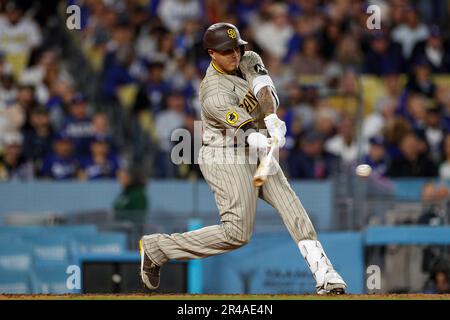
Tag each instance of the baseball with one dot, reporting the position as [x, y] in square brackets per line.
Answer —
[363, 170]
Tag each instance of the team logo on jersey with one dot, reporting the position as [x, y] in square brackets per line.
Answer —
[249, 103]
[259, 69]
[232, 33]
[232, 117]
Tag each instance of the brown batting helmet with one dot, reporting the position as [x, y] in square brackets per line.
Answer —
[223, 36]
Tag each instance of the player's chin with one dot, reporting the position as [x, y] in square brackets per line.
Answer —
[234, 65]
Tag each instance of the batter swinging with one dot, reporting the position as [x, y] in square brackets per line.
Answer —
[237, 93]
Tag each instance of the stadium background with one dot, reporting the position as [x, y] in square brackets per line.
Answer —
[86, 117]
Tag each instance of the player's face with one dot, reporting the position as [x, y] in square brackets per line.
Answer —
[227, 60]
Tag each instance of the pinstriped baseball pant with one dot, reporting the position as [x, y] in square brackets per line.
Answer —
[236, 198]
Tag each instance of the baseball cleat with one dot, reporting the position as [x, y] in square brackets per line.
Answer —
[333, 284]
[150, 272]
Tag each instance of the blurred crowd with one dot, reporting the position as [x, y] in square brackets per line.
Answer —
[316, 51]
[48, 129]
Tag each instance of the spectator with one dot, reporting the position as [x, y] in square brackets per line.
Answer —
[151, 93]
[5, 66]
[25, 102]
[374, 122]
[122, 37]
[18, 33]
[440, 282]
[348, 52]
[434, 52]
[175, 13]
[345, 99]
[12, 118]
[416, 112]
[13, 164]
[376, 157]
[60, 95]
[118, 70]
[293, 125]
[344, 144]
[331, 36]
[325, 121]
[383, 57]
[409, 33]
[132, 203]
[309, 61]
[101, 128]
[434, 198]
[394, 131]
[309, 160]
[44, 72]
[187, 80]
[147, 40]
[411, 163]
[185, 42]
[246, 11]
[435, 206]
[101, 163]
[78, 125]
[273, 36]
[38, 136]
[165, 123]
[434, 132]
[302, 110]
[307, 16]
[8, 89]
[281, 75]
[101, 22]
[392, 89]
[444, 168]
[421, 81]
[60, 164]
[443, 100]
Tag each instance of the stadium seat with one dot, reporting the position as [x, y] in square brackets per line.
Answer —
[442, 80]
[18, 62]
[14, 282]
[107, 242]
[95, 56]
[127, 94]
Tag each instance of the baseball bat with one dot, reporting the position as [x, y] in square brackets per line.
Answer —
[263, 169]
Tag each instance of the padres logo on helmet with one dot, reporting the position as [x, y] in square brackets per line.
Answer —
[231, 33]
[223, 36]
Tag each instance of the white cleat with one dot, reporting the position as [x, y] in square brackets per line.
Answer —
[333, 284]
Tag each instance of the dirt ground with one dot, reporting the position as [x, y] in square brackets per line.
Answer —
[223, 297]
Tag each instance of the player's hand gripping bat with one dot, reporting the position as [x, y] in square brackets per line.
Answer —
[265, 166]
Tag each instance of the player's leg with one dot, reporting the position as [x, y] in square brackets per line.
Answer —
[278, 193]
[236, 199]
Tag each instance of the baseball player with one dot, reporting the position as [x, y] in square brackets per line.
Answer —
[238, 94]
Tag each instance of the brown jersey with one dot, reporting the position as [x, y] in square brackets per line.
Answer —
[227, 101]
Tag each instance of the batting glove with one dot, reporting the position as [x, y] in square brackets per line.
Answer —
[258, 140]
[276, 128]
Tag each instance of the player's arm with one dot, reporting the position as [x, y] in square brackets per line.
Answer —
[265, 92]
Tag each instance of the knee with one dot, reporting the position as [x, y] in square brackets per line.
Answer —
[235, 236]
